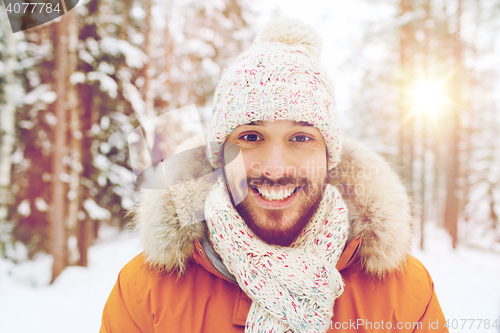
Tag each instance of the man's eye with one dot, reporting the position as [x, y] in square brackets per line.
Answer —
[251, 137]
[301, 138]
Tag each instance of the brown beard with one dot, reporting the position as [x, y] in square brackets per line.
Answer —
[276, 236]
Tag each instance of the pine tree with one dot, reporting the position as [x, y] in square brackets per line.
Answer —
[7, 126]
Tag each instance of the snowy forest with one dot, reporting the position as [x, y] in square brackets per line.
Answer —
[417, 80]
[73, 90]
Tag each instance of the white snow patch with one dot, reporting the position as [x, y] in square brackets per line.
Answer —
[85, 56]
[41, 93]
[17, 156]
[105, 122]
[105, 147]
[107, 83]
[24, 208]
[132, 94]
[128, 203]
[77, 77]
[93, 46]
[95, 211]
[466, 280]
[50, 118]
[41, 205]
[138, 13]
[75, 301]
[102, 162]
[106, 68]
[134, 57]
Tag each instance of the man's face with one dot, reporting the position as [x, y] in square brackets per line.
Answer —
[285, 170]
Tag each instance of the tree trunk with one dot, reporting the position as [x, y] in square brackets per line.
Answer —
[58, 225]
[150, 66]
[405, 121]
[452, 201]
[7, 127]
[424, 129]
[126, 18]
[423, 187]
[169, 50]
[84, 232]
[74, 195]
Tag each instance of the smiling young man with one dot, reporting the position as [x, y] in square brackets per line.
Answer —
[280, 200]
[295, 238]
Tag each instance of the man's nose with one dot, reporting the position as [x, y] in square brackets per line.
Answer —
[276, 163]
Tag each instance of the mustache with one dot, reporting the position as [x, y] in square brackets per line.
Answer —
[283, 181]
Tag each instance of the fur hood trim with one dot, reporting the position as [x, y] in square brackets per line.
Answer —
[379, 210]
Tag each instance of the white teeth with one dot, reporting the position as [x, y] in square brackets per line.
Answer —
[272, 194]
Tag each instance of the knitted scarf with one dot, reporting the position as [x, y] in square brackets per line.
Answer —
[291, 287]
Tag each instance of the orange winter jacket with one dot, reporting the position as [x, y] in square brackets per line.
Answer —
[204, 300]
[179, 284]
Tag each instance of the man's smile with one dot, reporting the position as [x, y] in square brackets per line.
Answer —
[275, 196]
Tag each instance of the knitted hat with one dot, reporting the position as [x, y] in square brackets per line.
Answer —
[278, 78]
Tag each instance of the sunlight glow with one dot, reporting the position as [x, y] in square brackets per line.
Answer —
[428, 96]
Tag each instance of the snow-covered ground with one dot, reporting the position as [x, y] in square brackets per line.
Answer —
[466, 280]
[467, 283]
[74, 303]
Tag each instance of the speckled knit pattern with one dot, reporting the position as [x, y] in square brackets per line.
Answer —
[278, 78]
[291, 287]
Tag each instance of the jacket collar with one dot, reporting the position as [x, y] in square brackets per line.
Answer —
[379, 213]
[205, 255]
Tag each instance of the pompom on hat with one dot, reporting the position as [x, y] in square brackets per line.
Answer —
[278, 78]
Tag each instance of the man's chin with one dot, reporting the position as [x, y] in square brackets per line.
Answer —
[278, 226]
[275, 233]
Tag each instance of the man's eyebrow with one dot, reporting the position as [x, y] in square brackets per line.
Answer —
[256, 123]
[300, 123]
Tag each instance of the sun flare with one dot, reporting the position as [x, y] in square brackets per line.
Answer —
[428, 96]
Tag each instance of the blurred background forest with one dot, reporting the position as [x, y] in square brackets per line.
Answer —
[417, 80]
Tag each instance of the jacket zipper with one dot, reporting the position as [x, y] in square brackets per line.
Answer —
[202, 252]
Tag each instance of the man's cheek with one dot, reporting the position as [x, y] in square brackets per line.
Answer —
[237, 180]
[313, 170]
[254, 169]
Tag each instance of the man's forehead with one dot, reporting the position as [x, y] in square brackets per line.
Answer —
[290, 123]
